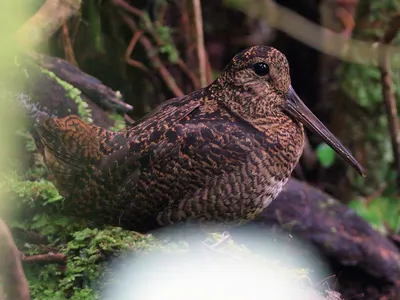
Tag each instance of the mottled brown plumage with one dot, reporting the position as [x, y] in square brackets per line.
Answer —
[220, 154]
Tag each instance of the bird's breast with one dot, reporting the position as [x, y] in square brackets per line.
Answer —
[218, 170]
[251, 169]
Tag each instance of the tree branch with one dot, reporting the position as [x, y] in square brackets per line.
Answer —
[68, 49]
[201, 52]
[152, 54]
[12, 275]
[307, 32]
[388, 93]
[58, 258]
[50, 17]
[149, 27]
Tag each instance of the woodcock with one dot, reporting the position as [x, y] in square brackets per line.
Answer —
[220, 154]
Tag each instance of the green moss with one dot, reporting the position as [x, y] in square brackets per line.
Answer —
[87, 249]
[362, 84]
[168, 47]
[119, 122]
[83, 110]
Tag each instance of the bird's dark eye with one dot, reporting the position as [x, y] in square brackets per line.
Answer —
[261, 69]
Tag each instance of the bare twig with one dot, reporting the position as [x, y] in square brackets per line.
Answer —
[50, 17]
[122, 4]
[189, 73]
[49, 258]
[74, 28]
[165, 74]
[388, 93]
[129, 51]
[150, 29]
[133, 10]
[201, 52]
[152, 54]
[12, 275]
[185, 27]
[136, 63]
[347, 20]
[68, 50]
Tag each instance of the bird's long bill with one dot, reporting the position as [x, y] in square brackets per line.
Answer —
[297, 109]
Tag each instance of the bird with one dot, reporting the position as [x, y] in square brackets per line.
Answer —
[218, 155]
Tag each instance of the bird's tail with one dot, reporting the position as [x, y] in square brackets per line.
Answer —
[71, 146]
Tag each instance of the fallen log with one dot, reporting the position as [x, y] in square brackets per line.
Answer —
[53, 86]
[364, 261]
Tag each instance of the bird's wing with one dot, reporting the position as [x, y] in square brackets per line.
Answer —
[173, 170]
[72, 146]
[155, 138]
[82, 155]
[189, 153]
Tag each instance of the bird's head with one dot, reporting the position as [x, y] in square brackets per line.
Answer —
[256, 87]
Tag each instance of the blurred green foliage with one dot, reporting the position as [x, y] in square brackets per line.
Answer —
[362, 84]
[382, 212]
[94, 20]
[168, 47]
[325, 155]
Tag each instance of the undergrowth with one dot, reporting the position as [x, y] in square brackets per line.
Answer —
[89, 250]
[362, 85]
[38, 209]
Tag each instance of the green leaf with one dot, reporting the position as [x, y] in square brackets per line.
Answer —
[325, 155]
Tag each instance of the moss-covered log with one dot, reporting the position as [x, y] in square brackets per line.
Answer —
[54, 86]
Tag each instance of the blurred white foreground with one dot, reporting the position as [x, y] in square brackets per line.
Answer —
[201, 274]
